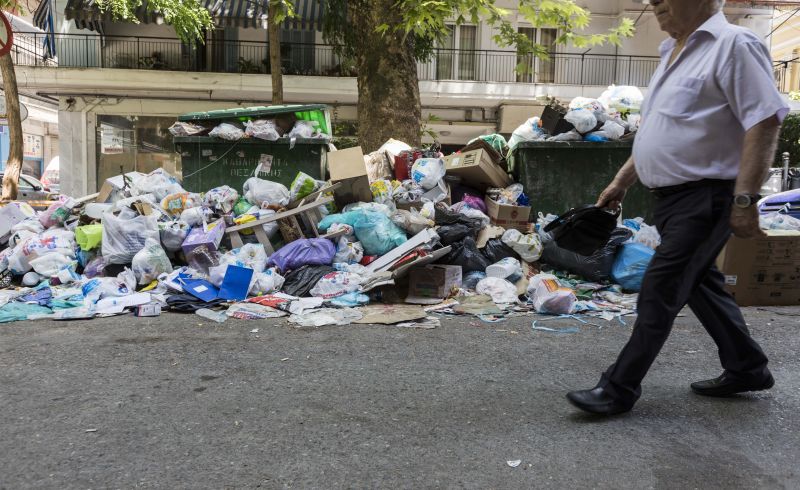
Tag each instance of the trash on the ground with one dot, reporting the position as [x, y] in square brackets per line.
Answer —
[390, 314]
[514, 463]
[431, 284]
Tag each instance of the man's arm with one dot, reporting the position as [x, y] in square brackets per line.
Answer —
[758, 154]
[613, 195]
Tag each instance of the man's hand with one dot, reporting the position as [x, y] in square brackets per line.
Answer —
[744, 222]
[612, 196]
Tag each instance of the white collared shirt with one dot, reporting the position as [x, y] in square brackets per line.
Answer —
[698, 109]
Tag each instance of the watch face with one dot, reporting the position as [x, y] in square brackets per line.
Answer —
[742, 200]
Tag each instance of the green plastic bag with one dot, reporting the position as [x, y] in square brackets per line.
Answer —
[497, 141]
[242, 206]
[89, 236]
[303, 185]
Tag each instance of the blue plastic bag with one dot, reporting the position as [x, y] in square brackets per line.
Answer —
[376, 232]
[630, 265]
[314, 251]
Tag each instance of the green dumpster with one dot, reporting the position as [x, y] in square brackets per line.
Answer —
[212, 162]
[561, 175]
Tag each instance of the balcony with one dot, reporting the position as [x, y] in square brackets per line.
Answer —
[169, 54]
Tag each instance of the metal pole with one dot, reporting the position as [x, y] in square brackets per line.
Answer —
[785, 185]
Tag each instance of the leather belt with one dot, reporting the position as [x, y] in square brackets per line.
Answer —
[662, 192]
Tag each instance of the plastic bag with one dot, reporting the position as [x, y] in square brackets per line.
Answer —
[335, 284]
[583, 120]
[348, 252]
[649, 236]
[123, 238]
[495, 251]
[266, 282]
[500, 290]
[530, 130]
[109, 287]
[622, 98]
[242, 206]
[610, 131]
[262, 129]
[299, 282]
[412, 223]
[175, 204]
[596, 267]
[303, 185]
[631, 264]
[227, 131]
[186, 129]
[265, 193]
[427, 172]
[549, 296]
[49, 264]
[150, 262]
[377, 234]
[57, 213]
[95, 267]
[496, 141]
[472, 279]
[221, 198]
[476, 215]
[89, 237]
[529, 247]
[506, 268]
[383, 191]
[570, 135]
[314, 251]
[304, 129]
[251, 255]
[195, 216]
[159, 183]
[173, 233]
[465, 253]
[776, 221]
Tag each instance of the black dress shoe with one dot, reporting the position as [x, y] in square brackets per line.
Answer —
[597, 401]
[726, 385]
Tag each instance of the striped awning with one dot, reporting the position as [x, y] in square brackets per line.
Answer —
[226, 13]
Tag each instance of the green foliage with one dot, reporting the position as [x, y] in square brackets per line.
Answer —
[189, 19]
[425, 129]
[794, 95]
[246, 66]
[789, 140]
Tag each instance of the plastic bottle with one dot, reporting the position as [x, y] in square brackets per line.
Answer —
[216, 316]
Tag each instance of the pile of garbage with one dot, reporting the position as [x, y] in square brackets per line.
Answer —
[392, 237]
[611, 117]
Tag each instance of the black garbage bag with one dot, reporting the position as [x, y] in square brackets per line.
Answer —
[444, 216]
[495, 251]
[300, 281]
[456, 232]
[186, 303]
[595, 267]
[466, 254]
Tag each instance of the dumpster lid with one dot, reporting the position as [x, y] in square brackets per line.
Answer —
[251, 141]
[251, 112]
[575, 144]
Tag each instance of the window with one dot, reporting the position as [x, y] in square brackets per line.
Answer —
[538, 70]
[456, 55]
[25, 184]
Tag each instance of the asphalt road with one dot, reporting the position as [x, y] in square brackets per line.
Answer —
[178, 402]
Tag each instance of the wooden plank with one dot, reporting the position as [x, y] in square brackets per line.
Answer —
[263, 239]
[281, 215]
[313, 196]
[236, 240]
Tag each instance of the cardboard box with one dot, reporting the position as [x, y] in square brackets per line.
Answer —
[763, 271]
[430, 284]
[508, 216]
[476, 169]
[348, 168]
[211, 237]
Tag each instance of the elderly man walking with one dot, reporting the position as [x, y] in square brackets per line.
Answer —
[707, 138]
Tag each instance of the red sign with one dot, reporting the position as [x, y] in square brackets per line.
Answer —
[6, 35]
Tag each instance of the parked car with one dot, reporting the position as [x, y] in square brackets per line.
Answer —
[50, 176]
[31, 189]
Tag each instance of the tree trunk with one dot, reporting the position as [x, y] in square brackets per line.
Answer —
[14, 163]
[275, 55]
[388, 88]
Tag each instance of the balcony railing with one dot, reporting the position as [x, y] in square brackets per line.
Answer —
[126, 52]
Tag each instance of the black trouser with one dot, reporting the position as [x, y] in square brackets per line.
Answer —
[694, 226]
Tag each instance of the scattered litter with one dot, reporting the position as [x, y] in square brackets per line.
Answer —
[514, 463]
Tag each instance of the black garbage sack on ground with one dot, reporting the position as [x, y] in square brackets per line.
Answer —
[456, 232]
[595, 267]
[466, 254]
[495, 251]
[186, 303]
[300, 281]
[446, 217]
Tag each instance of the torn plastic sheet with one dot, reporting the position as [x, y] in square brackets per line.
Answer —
[325, 316]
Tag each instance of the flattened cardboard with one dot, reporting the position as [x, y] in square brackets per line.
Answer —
[476, 169]
[508, 216]
[347, 167]
[763, 271]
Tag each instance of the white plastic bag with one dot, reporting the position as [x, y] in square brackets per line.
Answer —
[150, 262]
[500, 290]
[348, 252]
[159, 183]
[252, 255]
[528, 131]
[304, 129]
[570, 135]
[427, 172]
[649, 236]
[583, 120]
[173, 234]
[194, 216]
[611, 131]
[264, 193]
[541, 223]
[262, 129]
[777, 221]
[336, 284]
[227, 132]
[529, 247]
[411, 222]
[124, 238]
[49, 264]
[221, 198]
[475, 214]
[266, 282]
[622, 98]
[549, 296]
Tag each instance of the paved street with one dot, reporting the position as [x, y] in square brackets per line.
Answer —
[177, 402]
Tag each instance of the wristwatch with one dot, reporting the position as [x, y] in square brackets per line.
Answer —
[745, 200]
